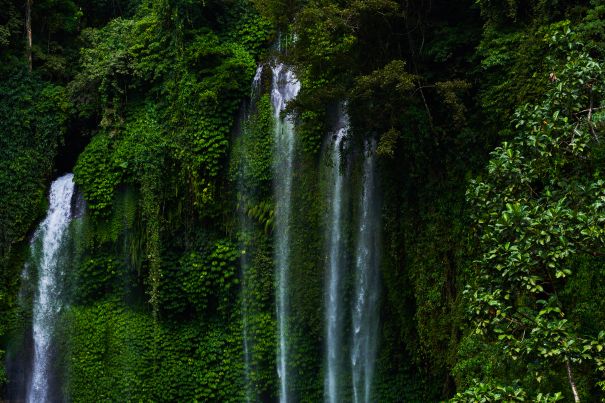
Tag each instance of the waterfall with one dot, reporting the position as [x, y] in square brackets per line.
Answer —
[46, 246]
[245, 228]
[285, 87]
[334, 295]
[366, 290]
[256, 82]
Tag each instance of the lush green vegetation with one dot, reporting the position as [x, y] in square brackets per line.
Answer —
[489, 118]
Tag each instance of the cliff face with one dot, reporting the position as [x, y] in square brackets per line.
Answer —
[305, 200]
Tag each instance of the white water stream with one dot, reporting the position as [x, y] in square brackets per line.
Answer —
[334, 299]
[366, 291]
[46, 246]
[285, 87]
[245, 228]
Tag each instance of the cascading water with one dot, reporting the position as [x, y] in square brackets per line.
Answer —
[334, 295]
[256, 82]
[366, 291]
[285, 87]
[46, 246]
[245, 228]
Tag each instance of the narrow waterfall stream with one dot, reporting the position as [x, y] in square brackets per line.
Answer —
[244, 224]
[334, 289]
[285, 87]
[46, 247]
[366, 291]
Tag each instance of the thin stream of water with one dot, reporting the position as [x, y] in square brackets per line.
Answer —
[366, 292]
[285, 87]
[335, 298]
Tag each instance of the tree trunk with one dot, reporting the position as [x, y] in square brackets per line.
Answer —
[574, 390]
[28, 29]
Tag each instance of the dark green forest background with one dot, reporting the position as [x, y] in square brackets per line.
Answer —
[491, 126]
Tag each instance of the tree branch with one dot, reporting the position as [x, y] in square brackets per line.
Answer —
[28, 29]
[574, 390]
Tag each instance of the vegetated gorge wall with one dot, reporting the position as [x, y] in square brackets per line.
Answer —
[305, 221]
[302, 322]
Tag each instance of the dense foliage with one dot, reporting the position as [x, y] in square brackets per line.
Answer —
[489, 122]
[33, 115]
